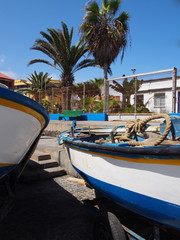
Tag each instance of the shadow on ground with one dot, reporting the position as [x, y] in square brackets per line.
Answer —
[44, 210]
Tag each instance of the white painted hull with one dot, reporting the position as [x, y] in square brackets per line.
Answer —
[157, 181]
[20, 126]
[147, 185]
[18, 130]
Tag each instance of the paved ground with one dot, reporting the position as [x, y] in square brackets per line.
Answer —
[49, 210]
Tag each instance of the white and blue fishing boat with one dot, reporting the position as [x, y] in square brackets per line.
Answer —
[22, 122]
[139, 174]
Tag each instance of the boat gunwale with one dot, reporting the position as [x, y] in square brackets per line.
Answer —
[172, 150]
[18, 98]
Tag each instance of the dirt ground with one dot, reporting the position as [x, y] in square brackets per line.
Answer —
[49, 210]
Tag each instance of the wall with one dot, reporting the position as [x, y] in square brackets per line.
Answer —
[149, 100]
[127, 116]
[83, 117]
[151, 87]
[55, 127]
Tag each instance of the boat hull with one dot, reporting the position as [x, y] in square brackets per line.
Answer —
[22, 121]
[145, 184]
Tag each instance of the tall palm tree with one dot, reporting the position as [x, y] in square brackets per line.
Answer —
[105, 35]
[66, 58]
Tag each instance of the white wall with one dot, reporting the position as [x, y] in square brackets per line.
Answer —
[150, 87]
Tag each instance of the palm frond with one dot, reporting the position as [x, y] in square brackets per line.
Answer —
[103, 32]
[85, 63]
[57, 45]
[38, 60]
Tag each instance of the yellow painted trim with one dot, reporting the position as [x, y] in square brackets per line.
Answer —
[136, 160]
[6, 164]
[22, 108]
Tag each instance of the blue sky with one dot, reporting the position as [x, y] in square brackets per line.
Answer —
[154, 34]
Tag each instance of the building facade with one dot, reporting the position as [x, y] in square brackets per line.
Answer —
[52, 94]
[7, 81]
[157, 95]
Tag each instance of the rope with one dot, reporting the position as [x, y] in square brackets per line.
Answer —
[139, 126]
[100, 141]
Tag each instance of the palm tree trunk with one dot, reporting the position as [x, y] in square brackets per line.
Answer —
[68, 98]
[106, 90]
[63, 99]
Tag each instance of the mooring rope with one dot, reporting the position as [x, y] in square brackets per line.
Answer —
[138, 126]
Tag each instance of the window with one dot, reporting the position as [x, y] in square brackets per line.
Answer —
[140, 100]
[159, 100]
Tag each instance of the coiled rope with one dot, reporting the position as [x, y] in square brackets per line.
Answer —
[138, 126]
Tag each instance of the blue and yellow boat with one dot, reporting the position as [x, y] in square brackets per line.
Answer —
[22, 122]
[140, 175]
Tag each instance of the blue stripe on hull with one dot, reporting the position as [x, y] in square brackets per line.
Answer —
[160, 211]
[5, 170]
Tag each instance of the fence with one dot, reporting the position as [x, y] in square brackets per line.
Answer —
[137, 93]
[148, 92]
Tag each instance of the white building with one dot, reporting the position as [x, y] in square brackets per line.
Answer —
[157, 95]
[160, 94]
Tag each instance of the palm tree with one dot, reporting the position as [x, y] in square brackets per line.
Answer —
[38, 83]
[91, 89]
[114, 105]
[105, 35]
[99, 82]
[127, 89]
[65, 57]
[87, 104]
